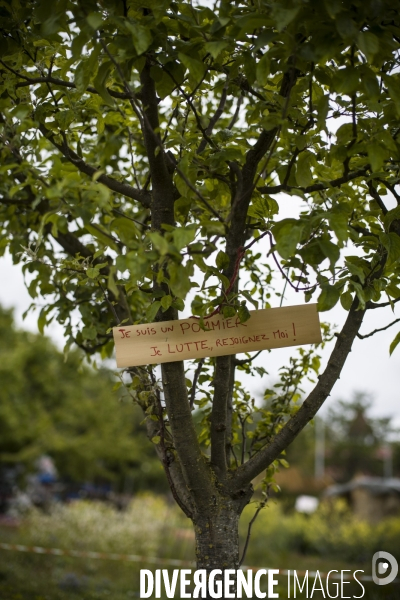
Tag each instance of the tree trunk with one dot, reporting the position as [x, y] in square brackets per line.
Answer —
[217, 538]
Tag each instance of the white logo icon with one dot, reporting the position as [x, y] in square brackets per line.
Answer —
[383, 568]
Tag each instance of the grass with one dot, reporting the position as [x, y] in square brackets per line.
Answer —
[330, 539]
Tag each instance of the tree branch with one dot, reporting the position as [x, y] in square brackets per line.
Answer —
[188, 99]
[245, 86]
[194, 384]
[119, 187]
[132, 97]
[61, 83]
[235, 240]
[229, 413]
[131, 219]
[392, 189]
[315, 187]
[236, 113]
[374, 193]
[245, 361]
[259, 508]
[167, 458]
[163, 189]
[73, 246]
[199, 195]
[371, 305]
[241, 203]
[194, 469]
[362, 337]
[219, 413]
[164, 449]
[311, 405]
[214, 119]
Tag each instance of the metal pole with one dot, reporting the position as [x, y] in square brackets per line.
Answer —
[319, 448]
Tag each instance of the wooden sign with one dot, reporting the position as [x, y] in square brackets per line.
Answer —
[168, 341]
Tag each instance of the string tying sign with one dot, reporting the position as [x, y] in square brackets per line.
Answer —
[169, 341]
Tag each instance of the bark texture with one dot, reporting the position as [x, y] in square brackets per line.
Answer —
[217, 536]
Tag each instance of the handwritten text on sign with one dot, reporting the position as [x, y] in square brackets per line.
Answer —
[168, 341]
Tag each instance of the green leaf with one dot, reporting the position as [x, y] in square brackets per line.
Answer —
[355, 267]
[89, 333]
[172, 74]
[330, 250]
[215, 48]
[94, 19]
[79, 41]
[64, 118]
[371, 84]
[97, 233]
[368, 44]
[346, 26]
[303, 171]
[228, 311]
[339, 222]
[182, 207]
[86, 69]
[111, 284]
[346, 81]
[328, 298]
[219, 24]
[42, 319]
[141, 37]
[21, 111]
[222, 260]
[263, 69]
[391, 241]
[100, 80]
[271, 121]
[180, 283]
[395, 343]
[333, 7]
[250, 298]
[159, 242]
[346, 300]
[195, 67]
[179, 304]
[166, 302]
[283, 16]
[393, 85]
[152, 311]
[393, 290]
[183, 236]
[263, 207]
[391, 215]
[287, 234]
[92, 272]
[377, 154]
[156, 439]
[323, 110]
[243, 313]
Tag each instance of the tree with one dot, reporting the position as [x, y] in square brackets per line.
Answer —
[49, 407]
[147, 148]
[356, 442]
